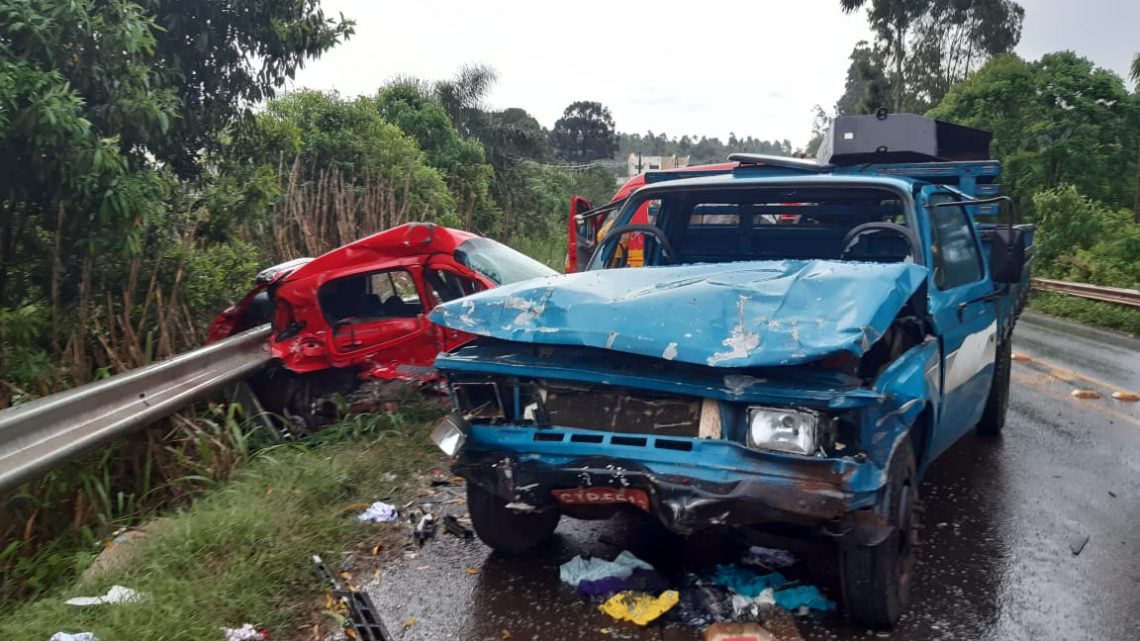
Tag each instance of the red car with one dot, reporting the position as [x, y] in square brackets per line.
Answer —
[347, 322]
[587, 225]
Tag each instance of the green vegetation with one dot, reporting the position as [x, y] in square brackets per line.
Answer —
[1093, 312]
[922, 48]
[241, 552]
[140, 191]
[1079, 129]
[1066, 132]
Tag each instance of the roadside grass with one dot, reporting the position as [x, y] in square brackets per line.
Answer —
[1092, 312]
[242, 552]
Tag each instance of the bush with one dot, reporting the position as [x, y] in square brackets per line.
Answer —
[1081, 240]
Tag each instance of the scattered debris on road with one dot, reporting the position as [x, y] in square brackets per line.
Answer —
[579, 569]
[247, 632]
[1085, 393]
[799, 597]
[703, 603]
[745, 581]
[378, 512]
[355, 609]
[767, 558]
[424, 529]
[639, 608]
[1078, 544]
[1127, 397]
[117, 594]
[74, 636]
[736, 632]
[453, 526]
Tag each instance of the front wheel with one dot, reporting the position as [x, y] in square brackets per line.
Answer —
[875, 579]
[504, 529]
[993, 416]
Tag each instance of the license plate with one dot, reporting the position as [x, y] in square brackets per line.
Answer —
[602, 496]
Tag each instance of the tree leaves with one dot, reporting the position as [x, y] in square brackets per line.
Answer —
[1056, 120]
[585, 132]
[922, 48]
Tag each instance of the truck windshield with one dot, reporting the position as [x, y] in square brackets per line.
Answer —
[712, 225]
[498, 262]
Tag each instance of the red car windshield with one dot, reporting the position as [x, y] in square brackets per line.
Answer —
[499, 263]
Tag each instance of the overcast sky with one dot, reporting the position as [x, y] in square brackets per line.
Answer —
[704, 68]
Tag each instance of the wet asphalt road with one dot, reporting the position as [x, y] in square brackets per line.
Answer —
[999, 523]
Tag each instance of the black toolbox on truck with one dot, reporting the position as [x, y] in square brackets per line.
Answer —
[900, 138]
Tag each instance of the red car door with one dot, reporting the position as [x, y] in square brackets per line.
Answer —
[381, 312]
[447, 280]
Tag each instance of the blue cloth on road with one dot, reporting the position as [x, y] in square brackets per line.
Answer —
[580, 569]
[745, 581]
[640, 580]
[809, 595]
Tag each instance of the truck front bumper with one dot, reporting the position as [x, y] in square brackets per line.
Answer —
[714, 483]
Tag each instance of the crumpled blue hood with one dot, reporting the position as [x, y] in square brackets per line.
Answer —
[748, 314]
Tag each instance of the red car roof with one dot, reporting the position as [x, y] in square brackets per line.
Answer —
[638, 181]
[411, 239]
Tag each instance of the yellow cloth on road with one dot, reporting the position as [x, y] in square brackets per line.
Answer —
[639, 608]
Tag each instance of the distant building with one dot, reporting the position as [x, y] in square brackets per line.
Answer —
[638, 163]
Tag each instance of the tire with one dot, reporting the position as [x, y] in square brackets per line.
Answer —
[506, 530]
[875, 579]
[993, 416]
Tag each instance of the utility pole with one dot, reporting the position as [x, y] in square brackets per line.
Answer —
[639, 162]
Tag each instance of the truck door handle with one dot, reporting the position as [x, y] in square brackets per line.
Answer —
[988, 298]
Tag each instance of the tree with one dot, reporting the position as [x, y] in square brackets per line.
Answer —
[327, 131]
[585, 132]
[821, 122]
[1134, 75]
[507, 137]
[222, 57]
[1057, 120]
[462, 162]
[75, 81]
[923, 47]
[700, 150]
[867, 87]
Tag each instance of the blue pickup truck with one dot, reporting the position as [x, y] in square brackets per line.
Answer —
[803, 340]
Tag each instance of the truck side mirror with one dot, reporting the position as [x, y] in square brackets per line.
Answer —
[1007, 255]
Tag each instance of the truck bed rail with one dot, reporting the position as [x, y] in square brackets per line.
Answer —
[42, 433]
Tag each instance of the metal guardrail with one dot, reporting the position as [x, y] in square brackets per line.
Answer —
[1120, 296]
[42, 433]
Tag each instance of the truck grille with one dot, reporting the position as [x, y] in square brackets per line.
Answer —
[621, 410]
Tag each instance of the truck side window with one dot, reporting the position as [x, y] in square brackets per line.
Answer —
[957, 260]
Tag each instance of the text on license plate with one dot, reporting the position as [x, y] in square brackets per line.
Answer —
[602, 496]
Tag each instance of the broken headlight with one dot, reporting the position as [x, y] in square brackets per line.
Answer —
[786, 430]
[450, 433]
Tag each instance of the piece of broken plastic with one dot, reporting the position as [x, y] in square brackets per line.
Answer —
[641, 609]
[580, 569]
[74, 636]
[247, 632]
[117, 594]
[378, 512]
